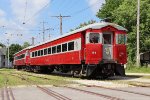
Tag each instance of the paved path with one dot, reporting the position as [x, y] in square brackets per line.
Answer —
[78, 93]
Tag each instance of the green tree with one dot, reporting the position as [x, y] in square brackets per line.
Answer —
[2, 45]
[108, 8]
[124, 13]
[84, 24]
[26, 44]
[13, 48]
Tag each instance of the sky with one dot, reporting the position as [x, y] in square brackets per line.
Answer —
[20, 20]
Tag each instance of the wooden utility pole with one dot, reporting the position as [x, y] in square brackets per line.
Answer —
[60, 17]
[138, 36]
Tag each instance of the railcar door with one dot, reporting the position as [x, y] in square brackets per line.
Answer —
[27, 57]
[107, 45]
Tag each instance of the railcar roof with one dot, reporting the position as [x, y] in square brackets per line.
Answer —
[24, 49]
[91, 26]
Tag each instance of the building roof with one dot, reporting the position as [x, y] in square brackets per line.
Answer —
[91, 26]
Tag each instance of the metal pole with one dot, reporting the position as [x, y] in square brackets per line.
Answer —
[43, 32]
[8, 53]
[32, 40]
[60, 24]
[138, 24]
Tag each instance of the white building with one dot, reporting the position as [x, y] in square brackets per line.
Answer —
[3, 57]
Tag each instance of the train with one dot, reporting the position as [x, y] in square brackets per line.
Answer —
[95, 50]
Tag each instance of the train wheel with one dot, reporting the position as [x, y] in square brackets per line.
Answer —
[50, 69]
[119, 70]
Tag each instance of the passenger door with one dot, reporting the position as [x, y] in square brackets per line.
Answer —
[107, 45]
[27, 57]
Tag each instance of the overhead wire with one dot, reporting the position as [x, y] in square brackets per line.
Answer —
[82, 10]
[71, 5]
[38, 11]
[25, 11]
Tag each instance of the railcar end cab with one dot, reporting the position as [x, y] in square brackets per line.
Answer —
[106, 46]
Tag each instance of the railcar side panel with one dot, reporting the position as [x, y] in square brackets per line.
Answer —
[69, 57]
[18, 61]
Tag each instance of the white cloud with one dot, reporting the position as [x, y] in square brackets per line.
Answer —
[14, 22]
[95, 5]
[2, 13]
[33, 6]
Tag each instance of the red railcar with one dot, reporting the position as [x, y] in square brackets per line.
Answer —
[95, 50]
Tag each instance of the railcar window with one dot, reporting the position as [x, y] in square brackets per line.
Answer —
[94, 38]
[22, 56]
[58, 48]
[71, 46]
[64, 47]
[54, 49]
[45, 51]
[49, 50]
[41, 52]
[32, 54]
[35, 53]
[121, 39]
[107, 39]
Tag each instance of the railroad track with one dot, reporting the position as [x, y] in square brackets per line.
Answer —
[119, 90]
[59, 96]
[54, 94]
[94, 93]
[6, 92]
[48, 91]
[32, 76]
[62, 97]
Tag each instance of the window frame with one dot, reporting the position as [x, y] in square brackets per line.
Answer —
[60, 49]
[87, 40]
[50, 50]
[73, 45]
[117, 39]
[66, 47]
[45, 51]
[42, 52]
[55, 49]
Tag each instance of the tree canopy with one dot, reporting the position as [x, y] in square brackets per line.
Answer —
[13, 48]
[26, 44]
[84, 24]
[124, 12]
[2, 45]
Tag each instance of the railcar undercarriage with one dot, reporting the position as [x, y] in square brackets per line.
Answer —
[88, 71]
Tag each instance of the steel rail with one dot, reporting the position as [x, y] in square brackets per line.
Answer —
[47, 91]
[94, 93]
[11, 94]
[7, 93]
[54, 94]
[33, 76]
[2, 93]
[119, 90]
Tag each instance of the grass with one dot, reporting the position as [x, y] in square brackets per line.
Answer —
[15, 81]
[134, 69]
